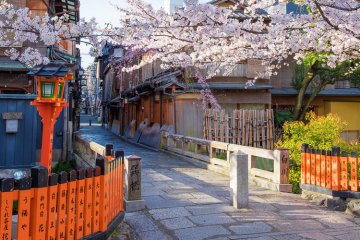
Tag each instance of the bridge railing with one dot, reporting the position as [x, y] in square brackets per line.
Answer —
[330, 172]
[86, 152]
[87, 203]
[217, 154]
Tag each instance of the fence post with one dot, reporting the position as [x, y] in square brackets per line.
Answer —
[6, 201]
[80, 199]
[163, 139]
[119, 186]
[38, 221]
[308, 166]
[95, 221]
[354, 184]
[111, 182]
[318, 167]
[108, 149]
[335, 167]
[62, 205]
[103, 208]
[133, 200]
[313, 167]
[281, 170]
[108, 177]
[344, 171]
[328, 163]
[24, 187]
[239, 180]
[71, 205]
[304, 156]
[51, 210]
[323, 168]
[89, 187]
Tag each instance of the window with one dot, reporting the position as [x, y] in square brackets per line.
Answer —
[118, 52]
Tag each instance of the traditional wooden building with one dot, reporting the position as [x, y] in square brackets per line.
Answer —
[153, 98]
[143, 102]
[341, 98]
[21, 148]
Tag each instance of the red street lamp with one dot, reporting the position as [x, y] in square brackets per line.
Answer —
[51, 81]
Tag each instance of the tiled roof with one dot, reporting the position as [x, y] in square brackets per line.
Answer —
[9, 65]
[57, 70]
[231, 86]
[328, 92]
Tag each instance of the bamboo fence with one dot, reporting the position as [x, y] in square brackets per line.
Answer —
[254, 128]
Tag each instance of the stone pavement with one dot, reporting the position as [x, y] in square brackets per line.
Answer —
[187, 202]
[84, 120]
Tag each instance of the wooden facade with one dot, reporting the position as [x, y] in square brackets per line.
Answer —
[18, 149]
[139, 97]
[21, 149]
[168, 98]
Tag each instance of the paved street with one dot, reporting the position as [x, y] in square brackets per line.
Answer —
[85, 120]
[187, 202]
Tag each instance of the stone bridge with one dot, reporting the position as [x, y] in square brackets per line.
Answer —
[184, 201]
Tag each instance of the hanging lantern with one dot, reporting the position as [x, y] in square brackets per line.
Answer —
[51, 88]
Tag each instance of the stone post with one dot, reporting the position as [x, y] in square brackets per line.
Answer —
[163, 139]
[281, 170]
[133, 200]
[239, 180]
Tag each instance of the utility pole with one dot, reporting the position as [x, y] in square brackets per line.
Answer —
[98, 70]
[96, 96]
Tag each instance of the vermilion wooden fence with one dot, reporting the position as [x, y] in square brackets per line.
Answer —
[71, 205]
[330, 169]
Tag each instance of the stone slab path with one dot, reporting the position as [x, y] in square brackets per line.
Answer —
[190, 203]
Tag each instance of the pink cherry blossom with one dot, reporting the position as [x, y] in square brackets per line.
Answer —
[203, 36]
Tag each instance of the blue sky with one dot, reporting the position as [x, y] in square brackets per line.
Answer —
[104, 13]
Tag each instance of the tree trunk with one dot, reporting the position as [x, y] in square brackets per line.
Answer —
[300, 97]
[312, 97]
[305, 108]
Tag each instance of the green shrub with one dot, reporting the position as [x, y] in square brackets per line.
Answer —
[65, 166]
[15, 207]
[294, 178]
[220, 155]
[353, 146]
[283, 116]
[320, 132]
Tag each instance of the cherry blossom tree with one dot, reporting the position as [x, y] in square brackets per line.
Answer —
[21, 33]
[217, 39]
[201, 35]
[205, 35]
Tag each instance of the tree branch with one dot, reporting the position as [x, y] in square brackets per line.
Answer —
[327, 20]
[340, 8]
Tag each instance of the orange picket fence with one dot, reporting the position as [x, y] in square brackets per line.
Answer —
[332, 170]
[82, 204]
